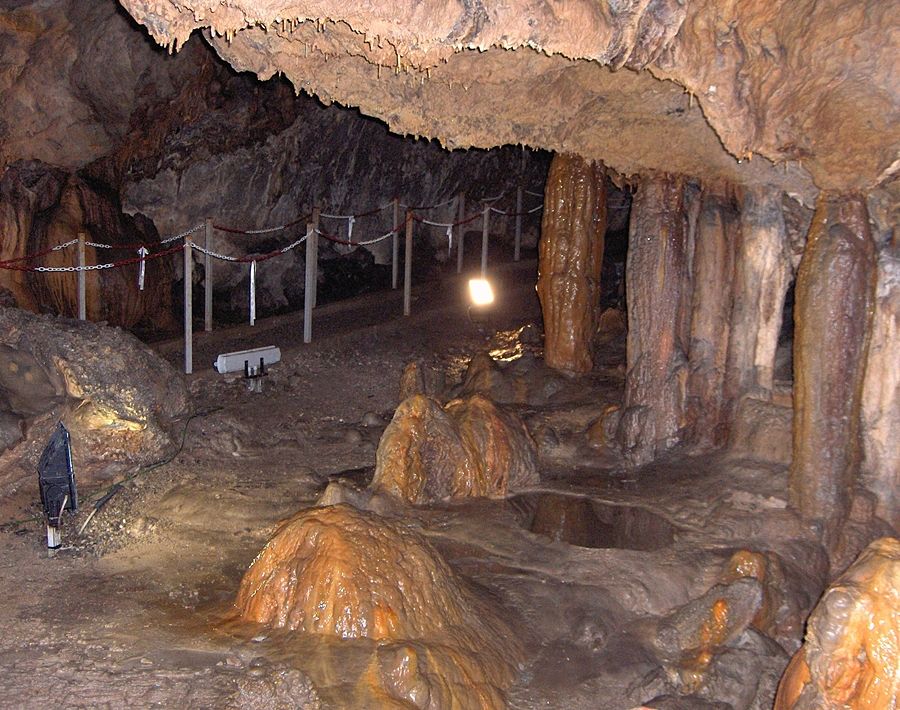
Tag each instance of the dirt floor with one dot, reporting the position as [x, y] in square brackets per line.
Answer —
[133, 613]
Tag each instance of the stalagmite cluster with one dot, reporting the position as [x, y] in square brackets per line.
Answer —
[468, 448]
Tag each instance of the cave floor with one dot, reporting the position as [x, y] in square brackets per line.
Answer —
[133, 613]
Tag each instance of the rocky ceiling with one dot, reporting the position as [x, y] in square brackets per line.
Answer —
[802, 94]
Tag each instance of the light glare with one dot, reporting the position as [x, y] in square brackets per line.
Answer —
[481, 292]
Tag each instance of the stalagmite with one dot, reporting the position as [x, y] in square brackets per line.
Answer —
[833, 296]
[653, 414]
[851, 655]
[571, 254]
[881, 390]
[762, 276]
[713, 276]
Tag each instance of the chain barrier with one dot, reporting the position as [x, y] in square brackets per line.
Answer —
[12, 264]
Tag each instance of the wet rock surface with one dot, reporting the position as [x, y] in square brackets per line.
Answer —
[571, 255]
[341, 572]
[851, 649]
[118, 399]
[100, 620]
[469, 447]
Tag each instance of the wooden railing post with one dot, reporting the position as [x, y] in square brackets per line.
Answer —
[460, 231]
[208, 279]
[407, 266]
[309, 292]
[484, 239]
[518, 248]
[82, 300]
[315, 259]
[188, 308]
[395, 245]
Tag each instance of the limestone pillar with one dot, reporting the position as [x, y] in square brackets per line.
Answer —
[761, 279]
[656, 276]
[833, 296]
[717, 233]
[571, 254]
[881, 389]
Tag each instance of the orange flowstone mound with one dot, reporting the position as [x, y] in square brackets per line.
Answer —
[346, 573]
[468, 448]
[851, 655]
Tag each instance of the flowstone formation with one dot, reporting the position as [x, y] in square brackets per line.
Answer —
[346, 574]
[118, 399]
[470, 447]
[571, 255]
[851, 654]
[42, 207]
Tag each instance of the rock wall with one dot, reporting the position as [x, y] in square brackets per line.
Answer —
[184, 137]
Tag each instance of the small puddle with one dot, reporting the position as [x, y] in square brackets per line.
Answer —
[588, 523]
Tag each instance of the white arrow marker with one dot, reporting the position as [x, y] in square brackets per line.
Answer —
[142, 252]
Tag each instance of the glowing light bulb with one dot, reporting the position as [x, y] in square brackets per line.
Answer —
[480, 292]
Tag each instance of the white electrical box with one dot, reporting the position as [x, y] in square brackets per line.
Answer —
[234, 362]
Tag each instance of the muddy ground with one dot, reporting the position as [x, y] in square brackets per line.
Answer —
[133, 613]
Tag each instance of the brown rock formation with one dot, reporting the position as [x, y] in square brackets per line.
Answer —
[653, 412]
[851, 655]
[713, 274]
[340, 572]
[881, 390]
[762, 275]
[833, 297]
[118, 399]
[471, 447]
[42, 207]
[571, 254]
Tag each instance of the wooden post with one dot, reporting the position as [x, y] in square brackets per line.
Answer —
[315, 259]
[82, 301]
[188, 309]
[460, 231]
[395, 245]
[407, 266]
[484, 239]
[309, 292]
[207, 279]
[518, 248]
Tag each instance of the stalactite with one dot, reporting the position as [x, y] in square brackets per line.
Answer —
[656, 273]
[762, 276]
[571, 254]
[881, 390]
[833, 296]
[712, 298]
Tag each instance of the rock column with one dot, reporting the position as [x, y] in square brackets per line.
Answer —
[881, 389]
[656, 276]
[717, 233]
[833, 297]
[571, 254]
[762, 276]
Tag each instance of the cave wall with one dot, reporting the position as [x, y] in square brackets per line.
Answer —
[183, 137]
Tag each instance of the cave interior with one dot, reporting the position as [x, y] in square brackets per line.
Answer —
[658, 470]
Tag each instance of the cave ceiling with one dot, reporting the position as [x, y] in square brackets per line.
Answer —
[802, 94]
